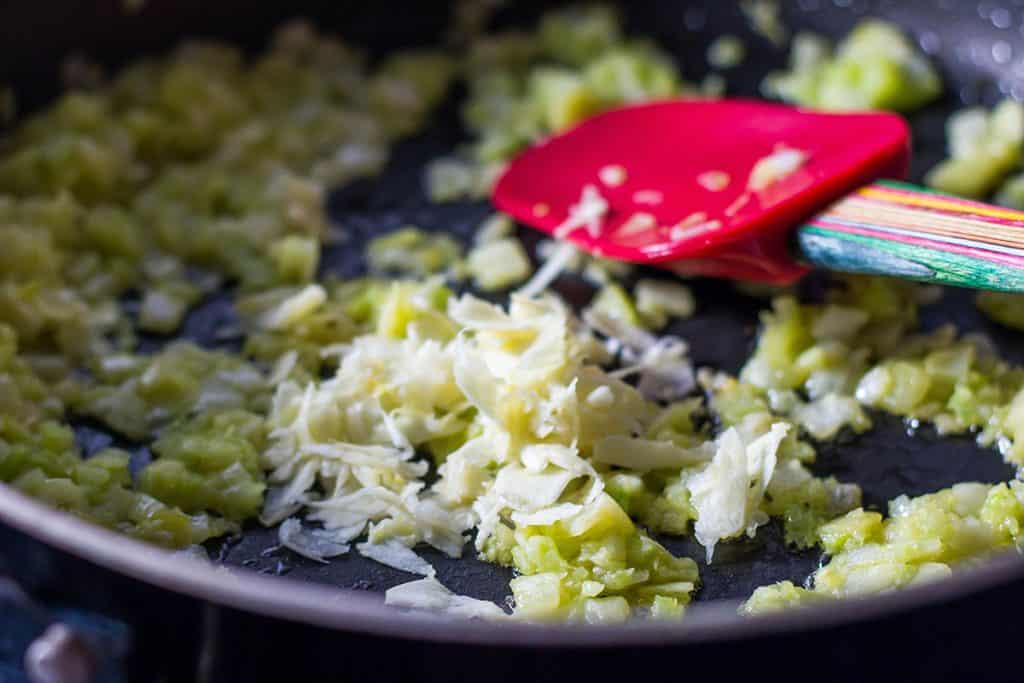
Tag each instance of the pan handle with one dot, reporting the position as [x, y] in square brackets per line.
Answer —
[891, 228]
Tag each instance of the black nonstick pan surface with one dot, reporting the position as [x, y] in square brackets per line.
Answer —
[345, 594]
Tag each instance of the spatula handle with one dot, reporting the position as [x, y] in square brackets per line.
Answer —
[891, 228]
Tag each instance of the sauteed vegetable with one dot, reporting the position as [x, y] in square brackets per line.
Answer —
[376, 414]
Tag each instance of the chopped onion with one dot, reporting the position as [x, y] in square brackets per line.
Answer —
[662, 363]
[430, 594]
[393, 554]
[612, 175]
[644, 454]
[728, 492]
[588, 212]
[776, 167]
[314, 544]
[714, 181]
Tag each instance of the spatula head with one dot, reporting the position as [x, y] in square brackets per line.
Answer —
[677, 180]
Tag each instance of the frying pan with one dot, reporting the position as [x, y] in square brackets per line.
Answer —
[260, 611]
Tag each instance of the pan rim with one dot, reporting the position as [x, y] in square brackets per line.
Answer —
[361, 612]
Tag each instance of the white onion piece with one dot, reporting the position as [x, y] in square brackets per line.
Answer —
[430, 594]
[393, 554]
[314, 544]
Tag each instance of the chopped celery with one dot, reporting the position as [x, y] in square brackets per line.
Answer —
[413, 251]
[632, 74]
[851, 531]
[295, 258]
[562, 97]
[450, 179]
[163, 309]
[596, 569]
[523, 86]
[614, 301]
[44, 463]
[577, 34]
[496, 227]
[1006, 309]
[922, 539]
[874, 67]
[780, 596]
[657, 300]
[984, 147]
[170, 385]
[727, 51]
[209, 464]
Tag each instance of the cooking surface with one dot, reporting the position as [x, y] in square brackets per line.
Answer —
[887, 461]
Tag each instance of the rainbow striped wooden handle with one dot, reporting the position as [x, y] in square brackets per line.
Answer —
[891, 228]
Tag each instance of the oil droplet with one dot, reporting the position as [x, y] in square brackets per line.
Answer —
[1002, 52]
[1001, 17]
[968, 94]
[930, 42]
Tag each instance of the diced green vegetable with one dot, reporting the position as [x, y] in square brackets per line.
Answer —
[874, 67]
[613, 300]
[658, 300]
[523, 86]
[634, 73]
[727, 51]
[561, 97]
[596, 570]
[44, 463]
[921, 540]
[579, 33]
[984, 147]
[413, 251]
[210, 464]
[156, 390]
[1006, 309]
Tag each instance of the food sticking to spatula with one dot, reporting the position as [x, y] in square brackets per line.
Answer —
[761, 192]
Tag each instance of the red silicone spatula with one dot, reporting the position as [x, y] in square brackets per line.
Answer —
[757, 191]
